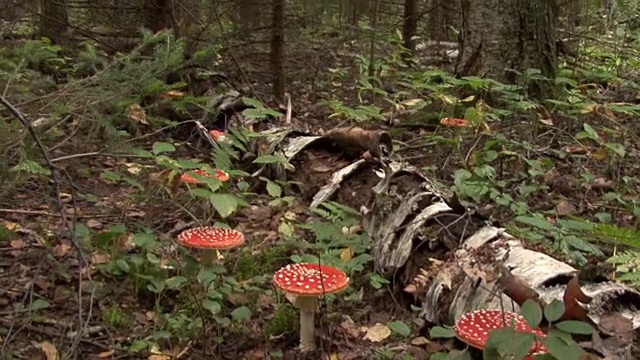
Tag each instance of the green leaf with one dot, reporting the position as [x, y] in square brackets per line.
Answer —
[439, 332]
[399, 328]
[123, 265]
[537, 222]
[554, 310]
[616, 148]
[252, 102]
[214, 307]
[138, 345]
[142, 153]
[575, 327]
[82, 231]
[254, 113]
[532, 313]
[241, 313]
[459, 355]
[162, 147]
[225, 204]
[593, 134]
[560, 349]
[199, 192]
[440, 356]
[274, 189]
[39, 304]
[510, 342]
[269, 159]
[175, 282]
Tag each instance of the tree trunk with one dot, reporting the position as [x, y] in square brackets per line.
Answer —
[441, 16]
[277, 49]
[410, 25]
[54, 19]
[158, 14]
[502, 38]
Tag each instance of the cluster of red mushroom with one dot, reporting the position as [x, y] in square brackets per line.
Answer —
[306, 282]
[474, 328]
[211, 240]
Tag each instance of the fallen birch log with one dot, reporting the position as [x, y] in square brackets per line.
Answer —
[446, 256]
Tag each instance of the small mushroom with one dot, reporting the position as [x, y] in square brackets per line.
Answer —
[474, 328]
[210, 239]
[219, 137]
[308, 282]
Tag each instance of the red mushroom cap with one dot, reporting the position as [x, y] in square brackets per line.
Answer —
[217, 135]
[310, 279]
[474, 328]
[454, 122]
[220, 175]
[209, 237]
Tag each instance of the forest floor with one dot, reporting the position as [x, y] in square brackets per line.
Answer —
[45, 287]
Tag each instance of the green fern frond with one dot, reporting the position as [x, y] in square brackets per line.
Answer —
[627, 266]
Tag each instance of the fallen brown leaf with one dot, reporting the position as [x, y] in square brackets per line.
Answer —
[574, 150]
[420, 341]
[49, 350]
[377, 333]
[137, 114]
[61, 250]
[565, 207]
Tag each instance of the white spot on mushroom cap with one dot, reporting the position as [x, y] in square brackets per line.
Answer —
[310, 279]
[209, 237]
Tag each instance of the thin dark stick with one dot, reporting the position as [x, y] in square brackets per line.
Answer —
[70, 227]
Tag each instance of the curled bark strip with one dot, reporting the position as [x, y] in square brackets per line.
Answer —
[516, 288]
[572, 298]
[336, 179]
[375, 141]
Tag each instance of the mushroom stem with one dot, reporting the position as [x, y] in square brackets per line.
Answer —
[208, 256]
[307, 305]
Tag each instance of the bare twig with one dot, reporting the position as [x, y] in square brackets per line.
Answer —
[94, 153]
[70, 227]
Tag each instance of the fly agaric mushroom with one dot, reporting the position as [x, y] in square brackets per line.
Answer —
[210, 239]
[474, 328]
[308, 282]
[454, 122]
[220, 175]
[219, 137]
